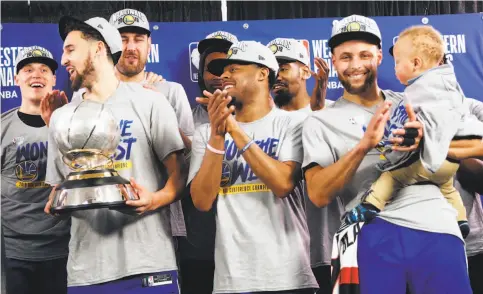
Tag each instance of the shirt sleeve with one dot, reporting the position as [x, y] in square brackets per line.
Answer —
[291, 148]
[315, 144]
[182, 107]
[475, 107]
[198, 148]
[164, 130]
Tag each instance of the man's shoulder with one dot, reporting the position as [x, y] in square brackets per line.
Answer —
[393, 96]
[168, 87]
[9, 114]
[137, 92]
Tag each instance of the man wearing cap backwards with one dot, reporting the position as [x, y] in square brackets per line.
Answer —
[36, 245]
[214, 46]
[290, 93]
[414, 241]
[197, 260]
[111, 251]
[248, 165]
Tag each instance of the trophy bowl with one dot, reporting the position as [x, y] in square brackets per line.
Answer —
[87, 136]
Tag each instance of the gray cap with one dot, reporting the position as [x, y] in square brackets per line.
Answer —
[110, 34]
[35, 54]
[245, 52]
[129, 20]
[355, 27]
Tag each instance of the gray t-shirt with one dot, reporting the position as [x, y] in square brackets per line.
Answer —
[474, 213]
[200, 115]
[107, 245]
[178, 99]
[332, 132]
[262, 241]
[322, 222]
[30, 234]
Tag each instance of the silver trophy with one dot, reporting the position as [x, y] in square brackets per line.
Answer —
[87, 136]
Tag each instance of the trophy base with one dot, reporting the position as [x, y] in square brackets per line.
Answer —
[93, 189]
[121, 205]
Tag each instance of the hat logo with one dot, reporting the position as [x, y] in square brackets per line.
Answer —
[229, 53]
[273, 48]
[128, 19]
[354, 27]
[36, 53]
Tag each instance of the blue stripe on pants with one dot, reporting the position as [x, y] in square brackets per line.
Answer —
[391, 257]
[131, 285]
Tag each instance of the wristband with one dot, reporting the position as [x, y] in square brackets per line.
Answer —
[214, 150]
[246, 147]
[408, 142]
[411, 133]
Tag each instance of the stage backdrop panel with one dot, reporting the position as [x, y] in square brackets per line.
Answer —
[174, 43]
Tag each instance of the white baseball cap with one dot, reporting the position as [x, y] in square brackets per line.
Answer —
[355, 27]
[110, 34]
[220, 39]
[129, 19]
[35, 54]
[289, 50]
[245, 52]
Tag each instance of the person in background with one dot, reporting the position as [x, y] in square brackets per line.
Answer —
[36, 245]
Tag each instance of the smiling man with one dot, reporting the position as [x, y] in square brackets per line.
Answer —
[110, 251]
[248, 166]
[36, 245]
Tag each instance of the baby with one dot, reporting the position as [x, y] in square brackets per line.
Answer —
[437, 99]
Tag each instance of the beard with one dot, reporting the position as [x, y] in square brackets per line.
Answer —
[368, 83]
[130, 70]
[282, 97]
[80, 80]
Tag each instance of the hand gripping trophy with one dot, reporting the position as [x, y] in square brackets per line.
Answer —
[87, 139]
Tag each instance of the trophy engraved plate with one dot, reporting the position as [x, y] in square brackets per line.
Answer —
[87, 137]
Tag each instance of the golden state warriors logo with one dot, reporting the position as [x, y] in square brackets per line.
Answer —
[37, 53]
[273, 48]
[225, 174]
[353, 27]
[26, 171]
[128, 19]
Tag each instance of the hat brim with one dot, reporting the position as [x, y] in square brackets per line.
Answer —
[284, 60]
[222, 44]
[134, 29]
[51, 63]
[351, 36]
[217, 66]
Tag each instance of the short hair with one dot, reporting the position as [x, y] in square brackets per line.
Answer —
[272, 76]
[426, 41]
[89, 34]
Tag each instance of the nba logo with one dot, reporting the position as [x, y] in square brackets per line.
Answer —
[307, 46]
[194, 59]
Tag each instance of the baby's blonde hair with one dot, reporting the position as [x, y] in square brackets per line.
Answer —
[426, 41]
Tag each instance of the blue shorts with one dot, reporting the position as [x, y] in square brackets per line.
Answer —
[155, 283]
[393, 257]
